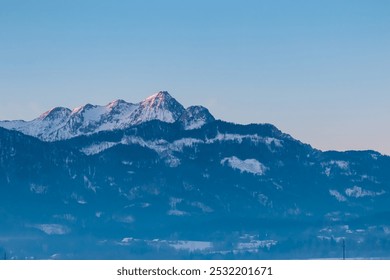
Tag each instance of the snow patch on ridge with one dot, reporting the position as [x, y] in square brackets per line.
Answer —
[195, 124]
[254, 138]
[97, 148]
[338, 164]
[162, 146]
[178, 145]
[248, 165]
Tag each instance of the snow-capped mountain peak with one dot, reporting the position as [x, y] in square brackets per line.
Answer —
[77, 110]
[55, 113]
[195, 117]
[160, 100]
[117, 103]
[159, 97]
[62, 123]
[160, 106]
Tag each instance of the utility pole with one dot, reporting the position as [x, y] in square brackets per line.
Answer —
[343, 248]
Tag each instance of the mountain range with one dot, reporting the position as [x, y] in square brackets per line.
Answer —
[156, 180]
[62, 123]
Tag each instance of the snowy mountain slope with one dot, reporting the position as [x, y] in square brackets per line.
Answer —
[160, 106]
[62, 123]
[195, 117]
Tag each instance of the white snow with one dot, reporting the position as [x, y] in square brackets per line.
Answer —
[157, 107]
[88, 184]
[271, 140]
[248, 165]
[160, 146]
[337, 195]
[344, 165]
[322, 237]
[149, 113]
[202, 206]
[173, 202]
[79, 199]
[175, 212]
[359, 192]
[94, 114]
[185, 245]
[338, 164]
[66, 217]
[128, 140]
[139, 205]
[195, 124]
[127, 239]
[14, 125]
[326, 229]
[178, 145]
[224, 137]
[195, 117]
[172, 161]
[256, 244]
[52, 229]
[221, 137]
[191, 245]
[38, 189]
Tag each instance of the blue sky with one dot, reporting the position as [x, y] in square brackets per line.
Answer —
[318, 70]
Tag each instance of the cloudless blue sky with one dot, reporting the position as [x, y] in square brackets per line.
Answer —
[318, 70]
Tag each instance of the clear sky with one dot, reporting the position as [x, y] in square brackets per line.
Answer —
[318, 70]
